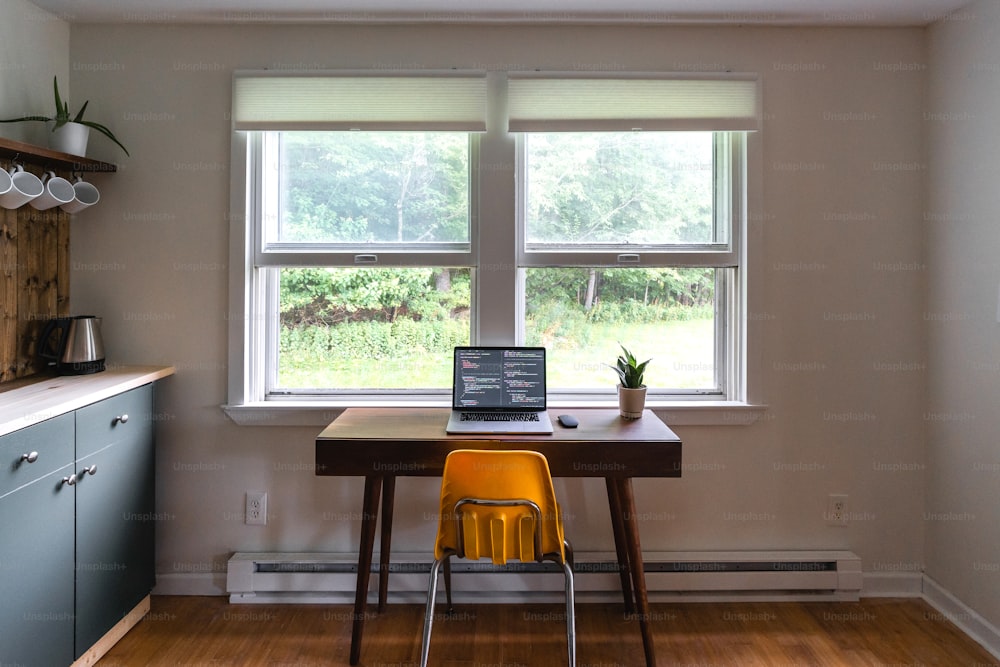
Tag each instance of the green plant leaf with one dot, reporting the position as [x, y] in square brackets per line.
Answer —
[24, 118]
[62, 107]
[106, 132]
[55, 89]
[79, 114]
[629, 370]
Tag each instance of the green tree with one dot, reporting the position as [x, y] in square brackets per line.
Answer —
[364, 187]
[598, 188]
[326, 296]
[620, 187]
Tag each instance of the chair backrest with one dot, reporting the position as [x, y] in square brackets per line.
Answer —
[499, 530]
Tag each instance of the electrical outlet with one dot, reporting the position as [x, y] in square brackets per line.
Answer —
[256, 512]
[836, 510]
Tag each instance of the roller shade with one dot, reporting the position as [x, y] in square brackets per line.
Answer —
[572, 102]
[324, 100]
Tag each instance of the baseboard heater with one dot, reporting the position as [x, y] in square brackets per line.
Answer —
[694, 576]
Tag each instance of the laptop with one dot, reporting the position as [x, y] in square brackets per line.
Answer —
[499, 390]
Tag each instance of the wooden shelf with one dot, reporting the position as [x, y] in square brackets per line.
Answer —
[46, 157]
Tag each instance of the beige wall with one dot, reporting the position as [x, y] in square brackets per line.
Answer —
[34, 47]
[963, 308]
[837, 298]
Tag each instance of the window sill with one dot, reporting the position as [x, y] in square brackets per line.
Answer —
[321, 413]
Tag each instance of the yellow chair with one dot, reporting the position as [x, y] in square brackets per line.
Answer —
[501, 505]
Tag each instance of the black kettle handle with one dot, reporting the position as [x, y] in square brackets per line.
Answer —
[45, 349]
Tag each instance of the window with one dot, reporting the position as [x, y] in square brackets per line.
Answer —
[377, 240]
[338, 199]
[357, 190]
[595, 203]
[625, 189]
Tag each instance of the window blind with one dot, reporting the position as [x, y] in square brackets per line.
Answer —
[573, 102]
[325, 100]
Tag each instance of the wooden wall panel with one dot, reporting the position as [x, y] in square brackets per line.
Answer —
[8, 294]
[34, 253]
[34, 258]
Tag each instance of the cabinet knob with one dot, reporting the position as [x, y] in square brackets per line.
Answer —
[30, 458]
[91, 470]
[69, 481]
[120, 419]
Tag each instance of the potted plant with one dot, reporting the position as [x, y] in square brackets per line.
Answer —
[631, 390]
[69, 134]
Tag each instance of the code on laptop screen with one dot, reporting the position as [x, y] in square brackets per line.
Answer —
[506, 378]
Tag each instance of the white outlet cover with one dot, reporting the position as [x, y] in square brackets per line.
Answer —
[256, 508]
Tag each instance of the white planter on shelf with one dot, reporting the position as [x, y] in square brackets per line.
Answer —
[70, 138]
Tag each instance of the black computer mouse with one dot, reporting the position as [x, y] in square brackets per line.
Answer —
[569, 421]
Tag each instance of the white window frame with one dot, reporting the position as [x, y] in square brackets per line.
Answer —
[266, 260]
[497, 257]
[730, 160]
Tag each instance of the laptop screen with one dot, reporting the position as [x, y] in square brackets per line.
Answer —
[499, 378]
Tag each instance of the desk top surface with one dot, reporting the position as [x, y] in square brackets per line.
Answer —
[413, 442]
[399, 424]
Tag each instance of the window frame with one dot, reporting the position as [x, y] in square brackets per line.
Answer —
[278, 254]
[496, 149]
[727, 149]
[729, 162]
[266, 264]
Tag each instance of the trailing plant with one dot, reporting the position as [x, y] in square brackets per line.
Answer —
[63, 116]
[630, 371]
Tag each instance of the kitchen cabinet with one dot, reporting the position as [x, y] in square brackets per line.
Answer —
[77, 517]
[114, 512]
[37, 543]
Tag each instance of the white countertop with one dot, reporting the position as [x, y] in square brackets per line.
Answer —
[34, 399]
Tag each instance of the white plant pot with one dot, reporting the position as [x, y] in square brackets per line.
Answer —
[631, 402]
[70, 138]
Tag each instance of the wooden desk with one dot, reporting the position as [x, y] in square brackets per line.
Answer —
[381, 444]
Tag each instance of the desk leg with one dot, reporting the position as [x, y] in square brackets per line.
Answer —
[635, 561]
[369, 517]
[388, 498]
[618, 527]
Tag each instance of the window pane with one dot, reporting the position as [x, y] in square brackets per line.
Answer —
[647, 188]
[384, 328]
[372, 187]
[581, 315]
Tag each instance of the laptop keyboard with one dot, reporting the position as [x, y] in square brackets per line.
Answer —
[500, 416]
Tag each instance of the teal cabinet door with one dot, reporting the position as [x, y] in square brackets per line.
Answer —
[114, 512]
[36, 545]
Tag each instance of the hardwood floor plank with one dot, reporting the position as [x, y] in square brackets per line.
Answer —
[197, 631]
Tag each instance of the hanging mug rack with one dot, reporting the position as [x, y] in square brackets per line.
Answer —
[19, 186]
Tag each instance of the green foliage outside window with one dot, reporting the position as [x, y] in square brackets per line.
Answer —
[370, 187]
[395, 326]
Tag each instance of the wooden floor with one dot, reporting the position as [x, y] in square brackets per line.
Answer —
[196, 631]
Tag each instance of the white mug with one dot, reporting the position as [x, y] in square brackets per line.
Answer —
[5, 182]
[25, 187]
[85, 194]
[58, 191]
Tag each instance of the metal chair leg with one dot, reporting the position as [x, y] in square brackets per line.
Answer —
[570, 614]
[447, 583]
[425, 643]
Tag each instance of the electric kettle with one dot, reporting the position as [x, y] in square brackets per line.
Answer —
[73, 345]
